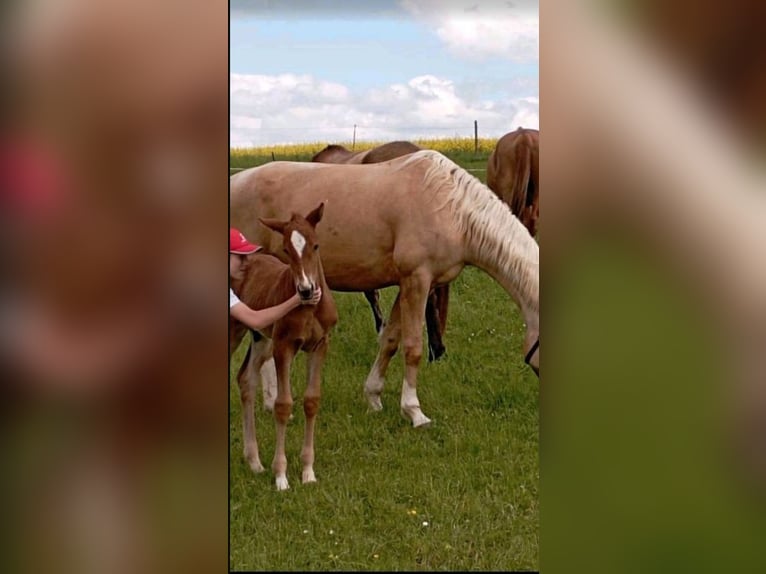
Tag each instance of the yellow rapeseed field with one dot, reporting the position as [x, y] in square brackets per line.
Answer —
[443, 145]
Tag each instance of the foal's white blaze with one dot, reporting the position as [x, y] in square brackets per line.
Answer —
[298, 241]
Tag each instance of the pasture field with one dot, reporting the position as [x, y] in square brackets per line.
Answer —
[461, 494]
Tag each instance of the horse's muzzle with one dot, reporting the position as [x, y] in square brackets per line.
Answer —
[528, 357]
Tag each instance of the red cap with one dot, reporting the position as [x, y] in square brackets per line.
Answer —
[239, 244]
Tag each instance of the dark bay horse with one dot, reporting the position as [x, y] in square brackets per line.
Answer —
[267, 282]
[438, 299]
[513, 173]
[338, 154]
[415, 221]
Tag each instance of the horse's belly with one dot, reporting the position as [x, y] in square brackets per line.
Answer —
[348, 276]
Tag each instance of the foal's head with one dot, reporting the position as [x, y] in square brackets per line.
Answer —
[299, 242]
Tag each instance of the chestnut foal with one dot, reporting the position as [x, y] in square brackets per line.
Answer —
[266, 282]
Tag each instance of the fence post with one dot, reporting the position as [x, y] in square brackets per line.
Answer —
[353, 142]
[475, 136]
[272, 157]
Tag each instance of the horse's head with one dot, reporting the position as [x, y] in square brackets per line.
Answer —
[299, 242]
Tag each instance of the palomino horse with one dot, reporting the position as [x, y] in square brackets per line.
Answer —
[438, 299]
[266, 282]
[414, 221]
[513, 173]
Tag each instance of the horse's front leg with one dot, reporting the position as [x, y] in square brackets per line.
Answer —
[311, 407]
[413, 293]
[283, 406]
[268, 378]
[388, 343]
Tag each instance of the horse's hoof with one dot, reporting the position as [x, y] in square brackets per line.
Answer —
[375, 402]
[422, 421]
[308, 476]
[418, 419]
[282, 483]
[256, 466]
[268, 407]
[435, 354]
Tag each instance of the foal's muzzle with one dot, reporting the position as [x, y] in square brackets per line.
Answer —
[305, 293]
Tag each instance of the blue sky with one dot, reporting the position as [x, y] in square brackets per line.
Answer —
[307, 72]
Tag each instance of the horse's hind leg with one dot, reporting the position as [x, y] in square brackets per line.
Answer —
[311, 407]
[373, 298]
[436, 317]
[388, 343]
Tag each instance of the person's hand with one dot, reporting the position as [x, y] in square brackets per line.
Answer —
[314, 299]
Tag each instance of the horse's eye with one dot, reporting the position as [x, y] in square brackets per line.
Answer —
[286, 251]
[316, 247]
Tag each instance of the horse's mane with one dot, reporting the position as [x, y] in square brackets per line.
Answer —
[487, 222]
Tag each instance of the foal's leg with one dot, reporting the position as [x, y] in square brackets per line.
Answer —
[388, 343]
[283, 406]
[247, 378]
[311, 407]
[414, 291]
[373, 298]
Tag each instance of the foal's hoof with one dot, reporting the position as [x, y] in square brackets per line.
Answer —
[308, 476]
[256, 466]
[282, 483]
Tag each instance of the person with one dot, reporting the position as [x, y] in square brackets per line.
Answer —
[239, 248]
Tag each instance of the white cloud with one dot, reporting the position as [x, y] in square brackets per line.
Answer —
[290, 108]
[478, 30]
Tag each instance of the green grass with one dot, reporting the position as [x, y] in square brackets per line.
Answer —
[472, 475]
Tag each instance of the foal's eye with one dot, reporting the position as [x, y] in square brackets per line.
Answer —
[286, 251]
[316, 247]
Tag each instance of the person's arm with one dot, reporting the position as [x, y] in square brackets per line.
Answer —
[262, 318]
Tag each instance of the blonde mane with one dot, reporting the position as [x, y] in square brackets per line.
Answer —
[491, 231]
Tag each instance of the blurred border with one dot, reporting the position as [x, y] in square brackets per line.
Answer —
[114, 157]
[653, 418]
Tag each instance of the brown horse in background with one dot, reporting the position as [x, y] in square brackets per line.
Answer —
[438, 299]
[338, 154]
[415, 221]
[513, 173]
[267, 282]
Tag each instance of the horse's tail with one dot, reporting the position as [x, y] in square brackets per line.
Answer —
[522, 189]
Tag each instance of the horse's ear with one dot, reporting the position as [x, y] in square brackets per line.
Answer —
[315, 216]
[275, 224]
